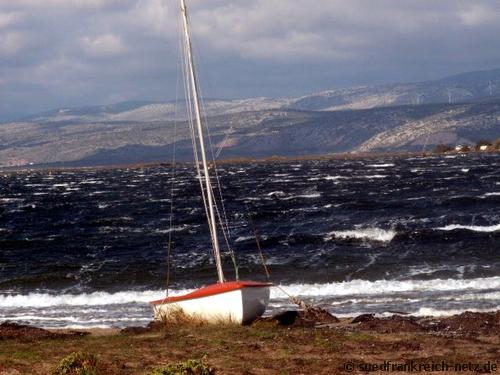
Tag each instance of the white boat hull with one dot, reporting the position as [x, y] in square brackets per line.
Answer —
[240, 305]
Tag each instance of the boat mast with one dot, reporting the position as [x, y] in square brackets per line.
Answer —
[212, 223]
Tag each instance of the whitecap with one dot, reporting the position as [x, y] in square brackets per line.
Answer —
[63, 310]
[388, 165]
[374, 234]
[278, 192]
[243, 238]
[429, 311]
[85, 299]
[379, 287]
[329, 178]
[493, 194]
[305, 196]
[178, 228]
[473, 228]
[11, 200]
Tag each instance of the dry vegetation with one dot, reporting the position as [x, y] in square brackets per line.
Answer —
[263, 348]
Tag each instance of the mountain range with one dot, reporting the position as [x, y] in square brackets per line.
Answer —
[394, 117]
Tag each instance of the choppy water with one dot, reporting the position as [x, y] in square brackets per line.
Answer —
[419, 235]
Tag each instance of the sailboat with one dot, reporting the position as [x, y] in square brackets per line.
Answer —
[239, 302]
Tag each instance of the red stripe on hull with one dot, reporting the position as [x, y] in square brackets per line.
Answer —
[213, 289]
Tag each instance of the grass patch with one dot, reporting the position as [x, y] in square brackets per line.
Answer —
[256, 349]
[27, 355]
[189, 367]
[360, 337]
[332, 342]
[77, 363]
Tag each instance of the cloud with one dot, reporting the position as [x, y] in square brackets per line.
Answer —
[9, 18]
[47, 4]
[154, 17]
[478, 14]
[106, 45]
[11, 43]
[71, 52]
[330, 30]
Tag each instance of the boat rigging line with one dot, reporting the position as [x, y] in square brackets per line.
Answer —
[173, 171]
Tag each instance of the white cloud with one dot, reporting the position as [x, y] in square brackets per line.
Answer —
[324, 29]
[53, 72]
[249, 47]
[296, 45]
[9, 18]
[11, 43]
[26, 4]
[478, 14]
[106, 45]
[156, 17]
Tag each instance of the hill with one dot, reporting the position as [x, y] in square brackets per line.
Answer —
[460, 88]
[399, 117]
[253, 133]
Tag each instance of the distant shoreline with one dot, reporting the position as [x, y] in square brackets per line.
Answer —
[246, 160]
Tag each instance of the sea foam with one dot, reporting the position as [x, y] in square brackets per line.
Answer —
[345, 288]
[473, 228]
[373, 234]
[378, 287]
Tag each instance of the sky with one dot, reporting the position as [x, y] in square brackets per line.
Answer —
[70, 53]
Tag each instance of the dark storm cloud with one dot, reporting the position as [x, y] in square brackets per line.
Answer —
[71, 52]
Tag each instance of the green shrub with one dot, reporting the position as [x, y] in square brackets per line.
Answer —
[189, 367]
[77, 363]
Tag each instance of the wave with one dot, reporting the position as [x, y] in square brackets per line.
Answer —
[429, 311]
[244, 238]
[304, 196]
[277, 193]
[75, 319]
[375, 176]
[474, 228]
[83, 326]
[84, 299]
[492, 194]
[374, 234]
[365, 287]
[381, 165]
[328, 178]
[334, 289]
[333, 178]
[11, 200]
[422, 312]
[471, 296]
[179, 228]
